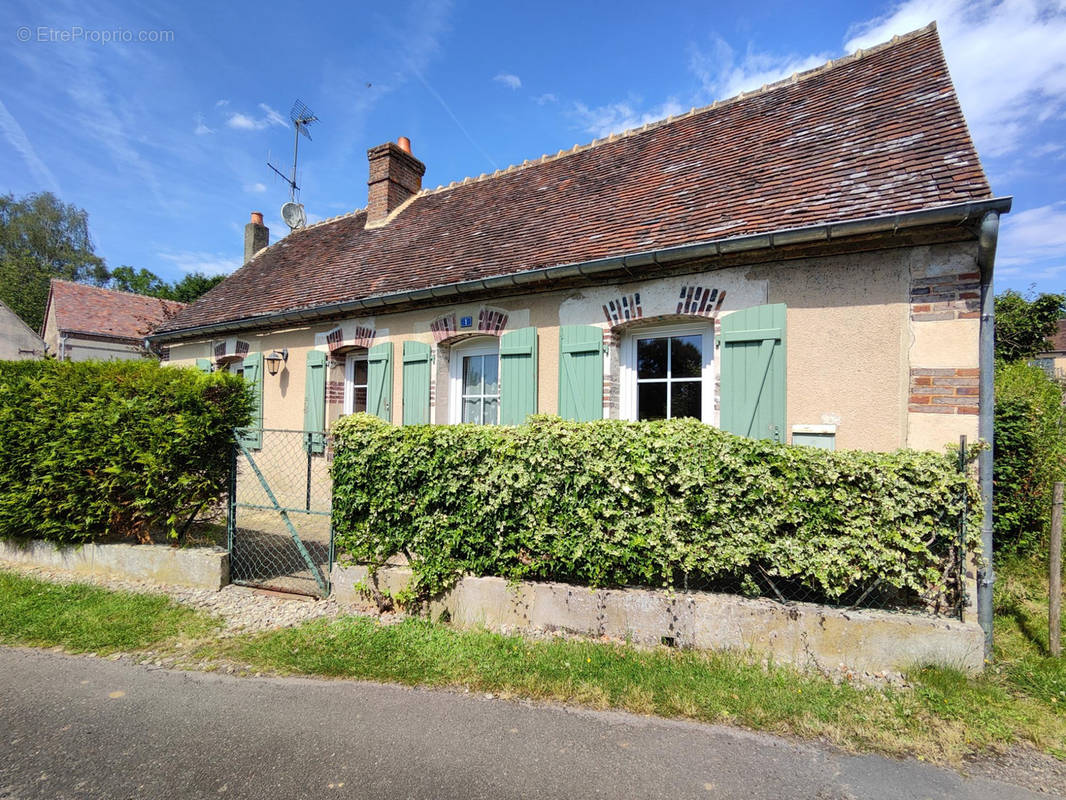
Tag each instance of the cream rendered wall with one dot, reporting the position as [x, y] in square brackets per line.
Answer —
[850, 341]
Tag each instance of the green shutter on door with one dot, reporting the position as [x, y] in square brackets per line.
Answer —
[252, 436]
[379, 381]
[518, 376]
[753, 372]
[581, 372]
[416, 369]
[315, 402]
[203, 364]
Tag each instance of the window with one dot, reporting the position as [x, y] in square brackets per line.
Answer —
[355, 382]
[475, 384]
[667, 373]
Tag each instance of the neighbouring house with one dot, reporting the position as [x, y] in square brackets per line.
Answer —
[804, 262]
[1054, 360]
[83, 323]
[18, 340]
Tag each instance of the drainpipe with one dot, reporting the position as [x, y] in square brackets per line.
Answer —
[986, 258]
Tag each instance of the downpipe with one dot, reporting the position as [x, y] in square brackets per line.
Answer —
[987, 240]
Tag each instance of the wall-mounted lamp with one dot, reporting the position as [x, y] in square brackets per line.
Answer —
[276, 359]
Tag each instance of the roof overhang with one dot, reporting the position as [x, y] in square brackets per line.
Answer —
[956, 214]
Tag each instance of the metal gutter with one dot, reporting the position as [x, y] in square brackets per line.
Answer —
[987, 240]
[956, 214]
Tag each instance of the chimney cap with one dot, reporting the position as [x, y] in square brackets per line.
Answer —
[257, 217]
[404, 144]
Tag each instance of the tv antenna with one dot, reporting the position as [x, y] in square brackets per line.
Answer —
[292, 212]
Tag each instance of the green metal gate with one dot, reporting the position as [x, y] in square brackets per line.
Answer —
[280, 528]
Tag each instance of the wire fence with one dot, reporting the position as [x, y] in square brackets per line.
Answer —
[280, 530]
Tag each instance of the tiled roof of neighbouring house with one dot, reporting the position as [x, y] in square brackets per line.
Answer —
[105, 312]
[1058, 339]
[878, 132]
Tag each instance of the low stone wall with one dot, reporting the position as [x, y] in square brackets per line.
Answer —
[802, 634]
[202, 568]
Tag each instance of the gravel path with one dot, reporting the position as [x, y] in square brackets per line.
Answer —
[242, 609]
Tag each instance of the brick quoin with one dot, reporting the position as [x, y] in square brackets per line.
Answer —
[944, 391]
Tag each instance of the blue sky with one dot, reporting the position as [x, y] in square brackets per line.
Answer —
[165, 143]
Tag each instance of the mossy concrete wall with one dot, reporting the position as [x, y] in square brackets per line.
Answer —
[202, 568]
[802, 634]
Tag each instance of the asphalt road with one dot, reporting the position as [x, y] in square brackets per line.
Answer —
[75, 727]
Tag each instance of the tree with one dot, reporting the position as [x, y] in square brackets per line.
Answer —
[146, 282]
[194, 285]
[1025, 322]
[43, 238]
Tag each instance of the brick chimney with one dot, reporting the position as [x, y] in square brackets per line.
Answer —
[256, 236]
[395, 175]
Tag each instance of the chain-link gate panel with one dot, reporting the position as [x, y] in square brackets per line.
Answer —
[280, 530]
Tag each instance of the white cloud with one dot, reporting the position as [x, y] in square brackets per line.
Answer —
[722, 74]
[617, 117]
[221, 103]
[247, 122]
[1007, 60]
[509, 80]
[543, 99]
[255, 188]
[199, 261]
[18, 139]
[1035, 234]
[201, 126]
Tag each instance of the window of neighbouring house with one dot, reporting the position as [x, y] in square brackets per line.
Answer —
[667, 373]
[355, 382]
[475, 383]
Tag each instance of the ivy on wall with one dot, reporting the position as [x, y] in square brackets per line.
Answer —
[612, 503]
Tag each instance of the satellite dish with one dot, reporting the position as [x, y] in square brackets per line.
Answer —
[293, 215]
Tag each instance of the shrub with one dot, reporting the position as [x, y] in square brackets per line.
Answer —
[1030, 455]
[98, 449]
[618, 503]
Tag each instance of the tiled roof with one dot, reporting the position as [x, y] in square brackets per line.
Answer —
[874, 133]
[1058, 340]
[105, 312]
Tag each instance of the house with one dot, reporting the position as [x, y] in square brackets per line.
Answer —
[17, 340]
[83, 323]
[1054, 360]
[805, 262]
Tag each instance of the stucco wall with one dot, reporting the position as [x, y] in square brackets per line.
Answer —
[853, 341]
[17, 341]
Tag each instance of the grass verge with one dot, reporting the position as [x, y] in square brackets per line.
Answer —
[81, 618]
[944, 717]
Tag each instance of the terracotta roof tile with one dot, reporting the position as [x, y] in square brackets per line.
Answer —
[1058, 340]
[875, 133]
[105, 312]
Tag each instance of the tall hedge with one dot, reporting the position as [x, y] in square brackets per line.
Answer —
[97, 449]
[655, 503]
[1030, 455]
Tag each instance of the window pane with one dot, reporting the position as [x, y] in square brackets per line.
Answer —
[651, 400]
[360, 372]
[686, 356]
[686, 399]
[359, 399]
[472, 368]
[472, 410]
[651, 358]
[492, 411]
[492, 374]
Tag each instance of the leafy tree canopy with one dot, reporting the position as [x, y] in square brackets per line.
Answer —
[1025, 322]
[143, 281]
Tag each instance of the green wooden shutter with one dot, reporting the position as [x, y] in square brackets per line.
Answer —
[518, 376]
[203, 364]
[379, 379]
[315, 402]
[753, 372]
[581, 372]
[416, 369]
[252, 436]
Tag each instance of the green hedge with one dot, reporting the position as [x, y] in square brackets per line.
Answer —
[619, 503]
[1030, 455]
[98, 449]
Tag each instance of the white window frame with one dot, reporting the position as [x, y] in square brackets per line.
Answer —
[349, 379]
[478, 347]
[628, 366]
